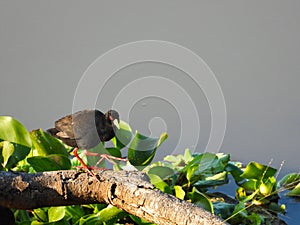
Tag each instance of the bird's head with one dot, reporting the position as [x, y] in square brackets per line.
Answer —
[113, 118]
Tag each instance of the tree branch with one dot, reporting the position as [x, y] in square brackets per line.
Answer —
[129, 191]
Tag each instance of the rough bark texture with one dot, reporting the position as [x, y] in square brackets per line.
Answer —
[129, 191]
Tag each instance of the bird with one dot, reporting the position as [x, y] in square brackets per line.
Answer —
[86, 129]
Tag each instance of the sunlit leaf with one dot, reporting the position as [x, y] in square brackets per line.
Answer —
[7, 150]
[190, 173]
[41, 214]
[250, 185]
[56, 213]
[264, 189]
[175, 160]
[258, 171]
[35, 222]
[268, 186]
[159, 183]
[187, 156]
[45, 144]
[142, 149]
[13, 131]
[179, 192]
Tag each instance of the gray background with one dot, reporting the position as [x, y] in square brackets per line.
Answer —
[252, 47]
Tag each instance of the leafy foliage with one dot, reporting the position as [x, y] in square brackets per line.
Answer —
[190, 177]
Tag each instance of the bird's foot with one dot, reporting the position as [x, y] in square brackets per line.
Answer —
[84, 166]
[90, 168]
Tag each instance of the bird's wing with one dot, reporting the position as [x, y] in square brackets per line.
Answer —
[65, 127]
[78, 125]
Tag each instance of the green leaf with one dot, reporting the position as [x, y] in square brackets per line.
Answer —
[212, 181]
[123, 135]
[161, 171]
[98, 207]
[240, 209]
[289, 180]
[37, 223]
[45, 144]
[40, 214]
[7, 151]
[56, 213]
[12, 153]
[255, 219]
[175, 160]
[159, 183]
[13, 131]
[179, 192]
[201, 200]
[203, 165]
[207, 163]
[274, 207]
[49, 163]
[99, 149]
[187, 156]
[90, 219]
[142, 149]
[250, 185]
[268, 187]
[235, 171]
[140, 221]
[223, 209]
[264, 189]
[75, 212]
[224, 158]
[111, 214]
[295, 192]
[258, 171]
[114, 152]
[190, 174]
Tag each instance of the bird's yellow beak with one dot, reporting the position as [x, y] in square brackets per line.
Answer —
[116, 123]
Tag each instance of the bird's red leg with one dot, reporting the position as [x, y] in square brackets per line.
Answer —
[83, 163]
[110, 158]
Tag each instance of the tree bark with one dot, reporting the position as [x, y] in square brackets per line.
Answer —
[130, 191]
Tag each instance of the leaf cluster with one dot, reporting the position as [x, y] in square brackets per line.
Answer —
[190, 177]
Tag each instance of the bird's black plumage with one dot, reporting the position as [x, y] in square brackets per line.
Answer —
[85, 129]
